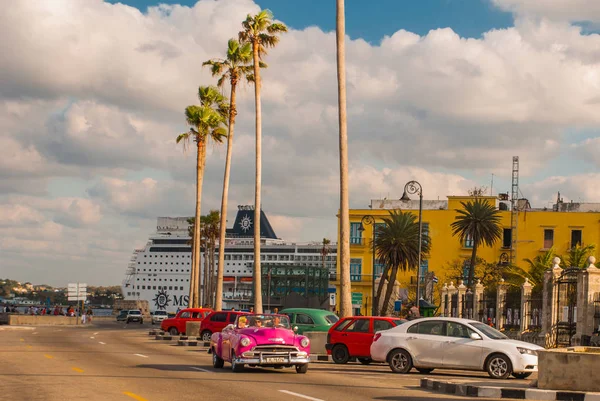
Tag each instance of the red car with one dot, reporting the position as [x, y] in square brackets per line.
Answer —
[176, 325]
[353, 336]
[216, 321]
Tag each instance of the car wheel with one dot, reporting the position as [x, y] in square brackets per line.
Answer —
[142, 321]
[217, 361]
[127, 321]
[425, 371]
[521, 376]
[302, 368]
[173, 331]
[153, 323]
[340, 354]
[400, 361]
[365, 361]
[206, 335]
[236, 367]
[499, 366]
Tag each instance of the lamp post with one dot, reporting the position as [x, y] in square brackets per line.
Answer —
[413, 187]
[370, 220]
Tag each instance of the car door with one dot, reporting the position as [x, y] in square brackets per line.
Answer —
[358, 337]
[424, 340]
[459, 350]
[184, 317]
[304, 322]
[225, 336]
[218, 321]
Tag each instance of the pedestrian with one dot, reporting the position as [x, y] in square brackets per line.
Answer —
[90, 313]
[276, 311]
[233, 309]
[489, 322]
[83, 318]
[252, 309]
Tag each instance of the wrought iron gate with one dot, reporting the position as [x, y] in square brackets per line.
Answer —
[487, 306]
[467, 305]
[566, 307]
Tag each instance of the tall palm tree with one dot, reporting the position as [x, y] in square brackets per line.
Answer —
[235, 67]
[479, 223]
[325, 250]
[206, 123]
[261, 32]
[344, 244]
[397, 248]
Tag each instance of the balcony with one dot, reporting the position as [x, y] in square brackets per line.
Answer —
[357, 241]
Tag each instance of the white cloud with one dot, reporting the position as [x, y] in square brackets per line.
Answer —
[95, 91]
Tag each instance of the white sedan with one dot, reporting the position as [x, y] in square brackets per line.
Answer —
[452, 343]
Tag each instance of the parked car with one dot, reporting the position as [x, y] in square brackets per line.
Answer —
[158, 316]
[122, 316]
[260, 340]
[307, 319]
[176, 325]
[216, 322]
[453, 343]
[353, 336]
[134, 315]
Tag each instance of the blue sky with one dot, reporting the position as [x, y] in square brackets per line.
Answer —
[372, 20]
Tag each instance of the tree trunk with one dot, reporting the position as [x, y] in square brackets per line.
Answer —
[389, 290]
[472, 267]
[258, 304]
[224, 198]
[213, 276]
[344, 245]
[384, 276]
[195, 271]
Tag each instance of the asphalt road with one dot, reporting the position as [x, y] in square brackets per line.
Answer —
[110, 361]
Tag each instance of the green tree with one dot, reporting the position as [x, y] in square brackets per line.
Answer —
[534, 272]
[578, 255]
[261, 32]
[210, 232]
[206, 123]
[397, 248]
[479, 223]
[235, 68]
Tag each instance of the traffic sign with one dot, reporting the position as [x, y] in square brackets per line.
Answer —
[357, 298]
[77, 291]
[332, 299]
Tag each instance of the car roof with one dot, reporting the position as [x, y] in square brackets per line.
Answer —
[373, 317]
[307, 310]
[196, 309]
[450, 319]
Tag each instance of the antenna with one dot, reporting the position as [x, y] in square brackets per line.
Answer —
[492, 186]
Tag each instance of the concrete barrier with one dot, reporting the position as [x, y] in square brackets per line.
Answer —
[318, 339]
[192, 329]
[569, 369]
[42, 320]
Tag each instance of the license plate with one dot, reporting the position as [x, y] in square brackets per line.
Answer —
[276, 359]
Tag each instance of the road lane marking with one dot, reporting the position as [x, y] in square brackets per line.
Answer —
[21, 339]
[102, 343]
[96, 332]
[33, 333]
[143, 356]
[78, 370]
[300, 395]
[200, 369]
[134, 396]
[92, 337]
[48, 356]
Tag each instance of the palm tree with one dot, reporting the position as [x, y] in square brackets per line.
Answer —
[209, 233]
[344, 244]
[325, 250]
[578, 255]
[235, 68]
[515, 275]
[261, 32]
[206, 123]
[397, 248]
[479, 223]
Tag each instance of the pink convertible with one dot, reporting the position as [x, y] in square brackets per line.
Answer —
[260, 340]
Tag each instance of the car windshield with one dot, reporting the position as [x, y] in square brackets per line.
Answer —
[258, 321]
[160, 312]
[332, 318]
[490, 332]
[135, 312]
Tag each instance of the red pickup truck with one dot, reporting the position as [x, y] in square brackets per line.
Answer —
[176, 325]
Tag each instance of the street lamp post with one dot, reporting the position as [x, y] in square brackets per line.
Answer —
[370, 220]
[413, 187]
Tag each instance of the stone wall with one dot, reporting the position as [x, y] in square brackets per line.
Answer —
[41, 320]
[121, 304]
[569, 369]
[318, 339]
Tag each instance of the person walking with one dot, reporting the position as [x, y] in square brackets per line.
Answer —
[90, 313]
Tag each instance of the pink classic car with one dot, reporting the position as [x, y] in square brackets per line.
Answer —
[260, 340]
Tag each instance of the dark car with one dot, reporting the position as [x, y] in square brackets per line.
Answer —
[122, 316]
[353, 336]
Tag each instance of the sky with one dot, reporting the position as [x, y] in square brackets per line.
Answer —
[443, 91]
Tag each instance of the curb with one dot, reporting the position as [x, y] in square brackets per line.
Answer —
[506, 392]
[322, 358]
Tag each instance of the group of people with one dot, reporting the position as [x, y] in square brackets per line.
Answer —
[56, 311]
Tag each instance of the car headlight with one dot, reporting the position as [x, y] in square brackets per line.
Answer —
[244, 342]
[526, 351]
[304, 342]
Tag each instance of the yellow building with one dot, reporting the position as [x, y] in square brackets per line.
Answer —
[561, 227]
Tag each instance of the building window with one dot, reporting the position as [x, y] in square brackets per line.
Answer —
[507, 238]
[378, 269]
[355, 233]
[379, 226]
[423, 270]
[548, 238]
[355, 269]
[469, 241]
[575, 238]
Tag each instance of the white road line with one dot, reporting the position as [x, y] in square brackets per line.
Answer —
[92, 337]
[33, 333]
[143, 356]
[200, 369]
[300, 395]
[102, 343]
[96, 332]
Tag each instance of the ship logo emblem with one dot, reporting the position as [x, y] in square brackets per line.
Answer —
[161, 300]
[246, 223]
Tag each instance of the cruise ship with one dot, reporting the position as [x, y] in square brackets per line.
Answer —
[160, 272]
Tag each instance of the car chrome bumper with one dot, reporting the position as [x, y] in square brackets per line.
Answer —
[273, 359]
